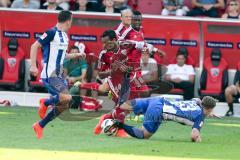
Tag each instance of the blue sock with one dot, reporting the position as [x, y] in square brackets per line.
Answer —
[53, 100]
[50, 116]
[133, 131]
[124, 91]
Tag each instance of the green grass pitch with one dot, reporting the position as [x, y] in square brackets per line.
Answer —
[75, 140]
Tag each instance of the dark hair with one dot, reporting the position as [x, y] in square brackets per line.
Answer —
[110, 34]
[182, 51]
[181, 54]
[216, 54]
[74, 47]
[209, 102]
[64, 16]
[12, 46]
[137, 13]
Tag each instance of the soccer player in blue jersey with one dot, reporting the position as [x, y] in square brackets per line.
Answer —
[54, 44]
[157, 109]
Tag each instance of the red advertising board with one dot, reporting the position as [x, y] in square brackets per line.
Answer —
[225, 36]
[166, 34]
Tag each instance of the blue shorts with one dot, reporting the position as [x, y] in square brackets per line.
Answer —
[55, 85]
[152, 109]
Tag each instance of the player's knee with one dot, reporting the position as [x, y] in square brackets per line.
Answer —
[228, 91]
[68, 98]
[146, 134]
[65, 98]
[63, 108]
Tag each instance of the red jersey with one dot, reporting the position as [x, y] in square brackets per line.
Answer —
[134, 56]
[141, 31]
[129, 34]
[116, 78]
[122, 31]
[104, 60]
[121, 58]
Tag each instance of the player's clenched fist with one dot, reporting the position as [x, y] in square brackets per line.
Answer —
[195, 136]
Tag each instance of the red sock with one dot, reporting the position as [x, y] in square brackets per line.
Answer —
[91, 86]
[121, 117]
[117, 112]
[109, 116]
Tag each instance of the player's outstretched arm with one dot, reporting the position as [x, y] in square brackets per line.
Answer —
[75, 55]
[33, 57]
[195, 135]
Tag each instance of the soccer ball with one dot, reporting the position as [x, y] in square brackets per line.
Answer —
[107, 127]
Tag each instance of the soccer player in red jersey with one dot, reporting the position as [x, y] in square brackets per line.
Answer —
[134, 42]
[129, 78]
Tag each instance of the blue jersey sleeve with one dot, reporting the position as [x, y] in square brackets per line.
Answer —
[198, 123]
[47, 37]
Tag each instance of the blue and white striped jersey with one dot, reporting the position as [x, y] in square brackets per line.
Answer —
[185, 112]
[54, 44]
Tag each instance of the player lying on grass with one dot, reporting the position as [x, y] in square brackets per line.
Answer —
[157, 109]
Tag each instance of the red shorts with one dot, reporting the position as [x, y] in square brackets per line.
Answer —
[137, 85]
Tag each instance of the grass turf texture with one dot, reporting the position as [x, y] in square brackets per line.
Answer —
[75, 140]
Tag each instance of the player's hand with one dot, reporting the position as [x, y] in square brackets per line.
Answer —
[195, 135]
[139, 45]
[77, 84]
[81, 46]
[81, 55]
[123, 67]
[33, 71]
[198, 140]
[161, 53]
